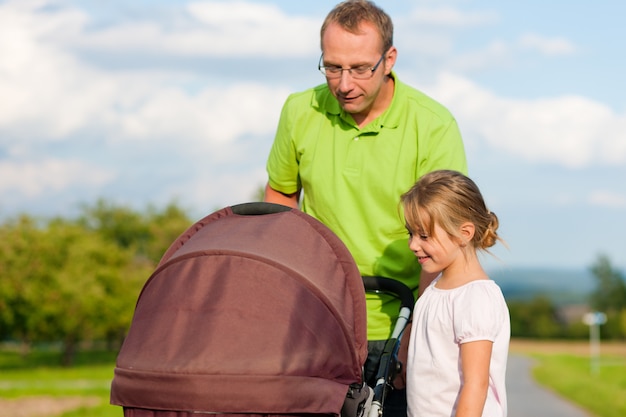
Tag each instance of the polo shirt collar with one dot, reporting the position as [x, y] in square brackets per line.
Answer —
[389, 119]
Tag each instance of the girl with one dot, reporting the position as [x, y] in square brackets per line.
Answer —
[461, 328]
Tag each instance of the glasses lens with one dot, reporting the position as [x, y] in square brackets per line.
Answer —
[331, 72]
[361, 73]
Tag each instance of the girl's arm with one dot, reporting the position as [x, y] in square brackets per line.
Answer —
[475, 359]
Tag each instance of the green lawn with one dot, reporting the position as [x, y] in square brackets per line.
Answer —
[603, 393]
[38, 376]
[563, 367]
[566, 368]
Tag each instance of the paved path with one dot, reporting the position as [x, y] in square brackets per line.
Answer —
[527, 399]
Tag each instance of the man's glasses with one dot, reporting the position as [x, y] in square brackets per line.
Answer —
[362, 72]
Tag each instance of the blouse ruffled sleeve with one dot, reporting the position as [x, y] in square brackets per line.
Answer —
[479, 311]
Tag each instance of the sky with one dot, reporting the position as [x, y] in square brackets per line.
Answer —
[149, 102]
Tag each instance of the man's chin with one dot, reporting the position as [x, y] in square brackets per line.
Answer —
[352, 107]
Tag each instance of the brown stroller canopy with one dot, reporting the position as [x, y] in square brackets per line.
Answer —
[247, 313]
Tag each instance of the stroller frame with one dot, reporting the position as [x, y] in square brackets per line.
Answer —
[390, 364]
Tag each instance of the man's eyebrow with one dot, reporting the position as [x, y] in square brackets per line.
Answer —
[358, 64]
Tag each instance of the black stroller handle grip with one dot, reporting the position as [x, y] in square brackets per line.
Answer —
[393, 287]
[258, 208]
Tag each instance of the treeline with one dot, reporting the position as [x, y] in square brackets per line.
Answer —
[77, 280]
[542, 318]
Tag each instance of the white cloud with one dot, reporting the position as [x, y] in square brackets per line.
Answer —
[499, 53]
[33, 178]
[609, 199]
[547, 46]
[211, 29]
[572, 131]
[451, 17]
[222, 189]
[214, 115]
[45, 91]
[429, 32]
[50, 94]
[494, 55]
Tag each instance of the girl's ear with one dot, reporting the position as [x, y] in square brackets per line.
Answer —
[467, 231]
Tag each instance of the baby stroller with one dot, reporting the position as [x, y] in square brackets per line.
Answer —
[255, 309]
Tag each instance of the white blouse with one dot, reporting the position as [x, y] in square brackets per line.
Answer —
[442, 321]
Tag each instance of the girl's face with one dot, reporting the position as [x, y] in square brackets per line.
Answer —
[437, 252]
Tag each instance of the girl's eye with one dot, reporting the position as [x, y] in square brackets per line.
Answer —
[423, 237]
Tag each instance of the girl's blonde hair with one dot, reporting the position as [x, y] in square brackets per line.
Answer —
[449, 199]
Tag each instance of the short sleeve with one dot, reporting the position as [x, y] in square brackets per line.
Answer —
[282, 164]
[479, 312]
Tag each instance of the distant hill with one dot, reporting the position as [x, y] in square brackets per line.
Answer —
[562, 286]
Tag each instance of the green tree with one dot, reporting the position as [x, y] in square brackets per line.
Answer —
[164, 227]
[78, 280]
[97, 285]
[610, 291]
[62, 282]
[148, 234]
[119, 224]
[536, 318]
[20, 241]
[609, 297]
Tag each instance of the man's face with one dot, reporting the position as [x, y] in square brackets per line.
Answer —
[348, 50]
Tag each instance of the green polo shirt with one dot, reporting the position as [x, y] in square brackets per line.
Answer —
[352, 178]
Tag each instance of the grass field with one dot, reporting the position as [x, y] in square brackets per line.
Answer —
[37, 387]
[567, 369]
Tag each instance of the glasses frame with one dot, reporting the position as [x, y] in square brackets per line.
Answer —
[322, 68]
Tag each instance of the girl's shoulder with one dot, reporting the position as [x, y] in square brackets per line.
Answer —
[478, 295]
[479, 311]
[480, 288]
[477, 285]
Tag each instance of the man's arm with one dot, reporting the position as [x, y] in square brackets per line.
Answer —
[276, 197]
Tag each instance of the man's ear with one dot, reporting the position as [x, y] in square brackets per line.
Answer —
[467, 231]
[390, 59]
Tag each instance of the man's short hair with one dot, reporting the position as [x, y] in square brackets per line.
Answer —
[350, 14]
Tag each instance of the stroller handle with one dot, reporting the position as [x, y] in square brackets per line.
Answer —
[258, 208]
[389, 362]
[393, 287]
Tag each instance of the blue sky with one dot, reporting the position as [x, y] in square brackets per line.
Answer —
[146, 102]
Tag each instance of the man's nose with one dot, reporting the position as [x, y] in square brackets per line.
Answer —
[345, 80]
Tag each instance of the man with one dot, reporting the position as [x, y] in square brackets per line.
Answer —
[352, 146]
